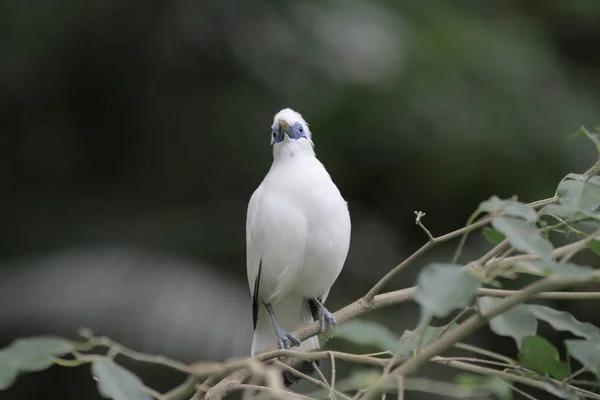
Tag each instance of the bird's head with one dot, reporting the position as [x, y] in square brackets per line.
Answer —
[288, 127]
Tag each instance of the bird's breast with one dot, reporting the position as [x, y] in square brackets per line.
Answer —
[304, 228]
[327, 240]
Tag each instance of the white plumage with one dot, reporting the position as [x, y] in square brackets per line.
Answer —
[297, 235]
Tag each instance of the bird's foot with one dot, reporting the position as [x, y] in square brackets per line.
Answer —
[326, 319]
[285, 339]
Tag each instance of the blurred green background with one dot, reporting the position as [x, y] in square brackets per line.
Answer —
[132, 134]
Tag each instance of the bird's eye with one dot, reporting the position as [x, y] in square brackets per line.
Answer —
[274, 134]
[300, 130]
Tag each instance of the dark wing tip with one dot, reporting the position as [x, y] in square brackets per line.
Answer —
[306, 367]
[255, 296]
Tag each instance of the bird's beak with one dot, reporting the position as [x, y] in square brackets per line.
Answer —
[285, 128]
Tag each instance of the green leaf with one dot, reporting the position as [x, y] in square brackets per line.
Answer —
[587, 353]
[8, 373]
[367, 333]
[494, 385]
[564, 211]
[364, 379]
[517, 323]
[578, 193]
[540, 355]
[442, 288]
[523, 236]
[564, 321]
[594, 245]
[409, 341]
[495, 205]
[567, 270]
[38, 353]
[115, 382]
[593, 136]
[30, 355]
[492, 235]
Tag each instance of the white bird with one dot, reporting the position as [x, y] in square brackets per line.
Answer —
[297, 238]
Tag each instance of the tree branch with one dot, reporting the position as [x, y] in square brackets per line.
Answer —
[373, 300]
[434, 241]
[471, 325]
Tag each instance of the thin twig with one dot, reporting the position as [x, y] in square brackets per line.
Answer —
[479, 361]
[574, 374]
[423, 325]
[182, 391]
[280, 393]
[521, 392]
[471, 325]
[440, 388]
[574, 251]
[433, 241]
[478, 320]
[323, 384]
[383, 300]
[489, 218]
[321, 375]
[507, 376]
[400, 380]
[455, 320]
[332, 389]
[485, 352]
[116, 348]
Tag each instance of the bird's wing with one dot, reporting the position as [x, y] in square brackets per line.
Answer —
[253, 256]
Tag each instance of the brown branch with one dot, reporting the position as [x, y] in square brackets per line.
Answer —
[433, 241]
[470, 326]
[400, 296]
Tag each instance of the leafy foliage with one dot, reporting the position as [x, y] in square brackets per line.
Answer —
[523, 236]
[364, 378]
[578, 196]
[593, 136]
[540, 355]
[559, 390]
[410, 340]
[594, 245]
[517, 323]
[495, 385]
[30, 355]
[568, 270]
[115, 382]
[587, 352]
[442, 288]
[493, 236]
[38, 353]
[564, 321]
[367, 333]
[513, 208]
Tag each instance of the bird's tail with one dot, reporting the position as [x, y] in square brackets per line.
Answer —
[290, 312]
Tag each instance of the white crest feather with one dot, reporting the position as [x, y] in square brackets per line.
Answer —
[291, 117]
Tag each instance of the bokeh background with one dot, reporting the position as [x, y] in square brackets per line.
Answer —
[132, 134]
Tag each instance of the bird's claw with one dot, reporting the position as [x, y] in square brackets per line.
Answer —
[327, 320]
[286, 340]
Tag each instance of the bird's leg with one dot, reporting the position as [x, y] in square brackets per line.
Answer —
[285, 339]
[326, 319]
